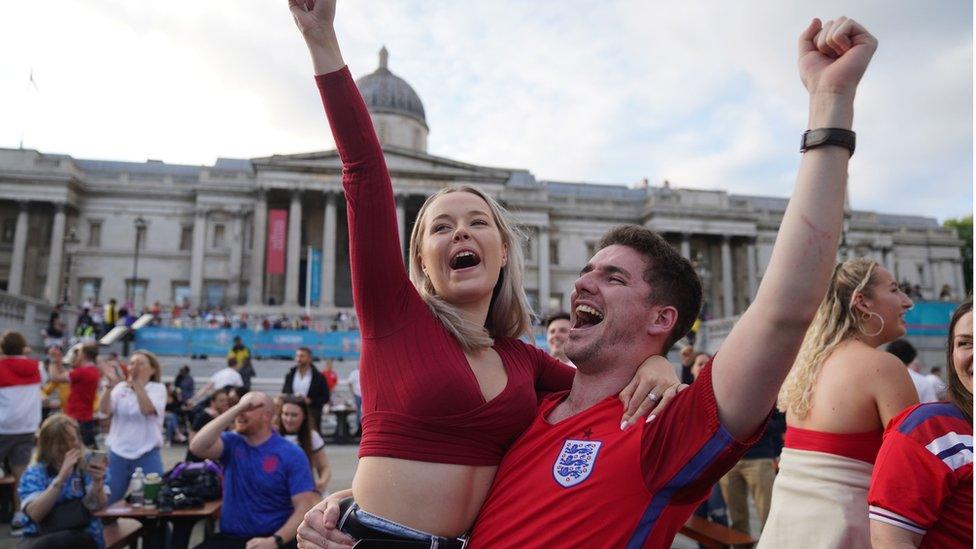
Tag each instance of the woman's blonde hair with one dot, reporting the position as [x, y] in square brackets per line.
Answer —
[509, 314]
[153, 362]
[52, 439]
[835, 322]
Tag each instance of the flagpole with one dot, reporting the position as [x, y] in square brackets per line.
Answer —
[31, 83]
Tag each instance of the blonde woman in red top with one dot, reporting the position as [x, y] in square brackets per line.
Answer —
[838, 397]
[447, 383]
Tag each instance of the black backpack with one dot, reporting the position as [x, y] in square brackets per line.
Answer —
[189, 484]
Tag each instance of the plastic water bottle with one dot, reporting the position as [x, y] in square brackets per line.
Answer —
[136, 487]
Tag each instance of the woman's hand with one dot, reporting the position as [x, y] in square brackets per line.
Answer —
[318, 529]
[653, 387]
[313, 16]
[834, 56]
[68, 464]
[315, 19]
[96, 470]
[109, 373]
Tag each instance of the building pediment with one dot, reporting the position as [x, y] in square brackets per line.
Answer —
[400, 162]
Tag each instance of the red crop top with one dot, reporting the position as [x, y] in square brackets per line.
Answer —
[421, 401]
[859, 446]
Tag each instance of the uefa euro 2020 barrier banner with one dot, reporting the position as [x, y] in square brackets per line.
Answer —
[927, 318]
[264, 344]
[930, 318]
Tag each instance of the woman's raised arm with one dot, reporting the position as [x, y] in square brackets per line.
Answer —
[315, 21]
[379, 278]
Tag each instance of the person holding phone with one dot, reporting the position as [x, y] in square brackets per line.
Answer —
[61, 490]
[137, 408]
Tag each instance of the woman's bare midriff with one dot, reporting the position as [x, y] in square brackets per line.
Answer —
[843, 400]
[438, 498]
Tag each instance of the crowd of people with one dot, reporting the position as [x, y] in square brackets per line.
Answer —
[96, 319]
[471, 437]
[74, 432]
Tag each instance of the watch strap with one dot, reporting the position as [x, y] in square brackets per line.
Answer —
[279, 541]
[828, 136]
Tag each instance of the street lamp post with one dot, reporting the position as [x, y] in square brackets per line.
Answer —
[69, 247]
[140, 224]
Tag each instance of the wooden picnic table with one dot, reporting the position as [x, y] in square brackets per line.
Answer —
[209, 511]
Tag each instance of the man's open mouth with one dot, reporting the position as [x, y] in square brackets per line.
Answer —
[587, 316]
[465, 259]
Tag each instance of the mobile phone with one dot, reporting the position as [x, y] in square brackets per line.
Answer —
[99, 457]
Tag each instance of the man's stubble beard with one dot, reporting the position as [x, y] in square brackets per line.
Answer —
[592, 351]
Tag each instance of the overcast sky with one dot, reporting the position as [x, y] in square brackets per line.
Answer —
[702, 93]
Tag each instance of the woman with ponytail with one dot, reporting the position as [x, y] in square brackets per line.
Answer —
[922, 490]
[838, 397]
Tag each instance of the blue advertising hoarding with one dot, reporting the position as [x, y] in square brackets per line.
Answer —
[930, 318]
[264, 344]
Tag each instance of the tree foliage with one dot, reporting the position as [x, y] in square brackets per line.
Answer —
[964, 228]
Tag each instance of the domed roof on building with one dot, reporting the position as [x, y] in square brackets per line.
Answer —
[385, 92]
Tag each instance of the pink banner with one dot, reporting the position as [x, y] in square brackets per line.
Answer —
[277, 240]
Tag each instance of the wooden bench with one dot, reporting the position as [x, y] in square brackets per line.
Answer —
[122, 532]
[713, 535]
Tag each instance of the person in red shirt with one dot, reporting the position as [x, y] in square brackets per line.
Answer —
[84, 378]
[922, 489]
[20, 406]
[331, 378]
[574, 479]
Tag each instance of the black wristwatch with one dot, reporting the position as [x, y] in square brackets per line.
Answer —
[279, 541]
[827, 136]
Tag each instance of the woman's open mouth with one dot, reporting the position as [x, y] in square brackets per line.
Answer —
[464, 259]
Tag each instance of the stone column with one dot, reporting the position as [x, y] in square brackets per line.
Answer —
[401, 214]
[543, 307]
[686, 246]
[52, 286]
[197, 257]
[327, 298]
[15, 283]
[255, 288]
[728, 303]
[293, 261]
[236, 255]
[889, 261]
[751, 269]
[959, 290]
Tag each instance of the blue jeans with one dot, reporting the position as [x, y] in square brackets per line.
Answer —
[390, 527]
[359, 414]
[121, 469]
[169, 425]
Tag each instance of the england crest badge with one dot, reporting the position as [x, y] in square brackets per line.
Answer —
[575, 462]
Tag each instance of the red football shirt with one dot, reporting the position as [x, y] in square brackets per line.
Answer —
[583, 482]
[81, 399]
[923, 478]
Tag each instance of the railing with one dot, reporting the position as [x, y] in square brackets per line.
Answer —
[927, 327]
[713, 332]
[26, 315]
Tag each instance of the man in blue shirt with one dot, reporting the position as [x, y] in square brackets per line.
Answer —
[268, 484]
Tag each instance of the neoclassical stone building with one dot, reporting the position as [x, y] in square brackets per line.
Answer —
[94, 230]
